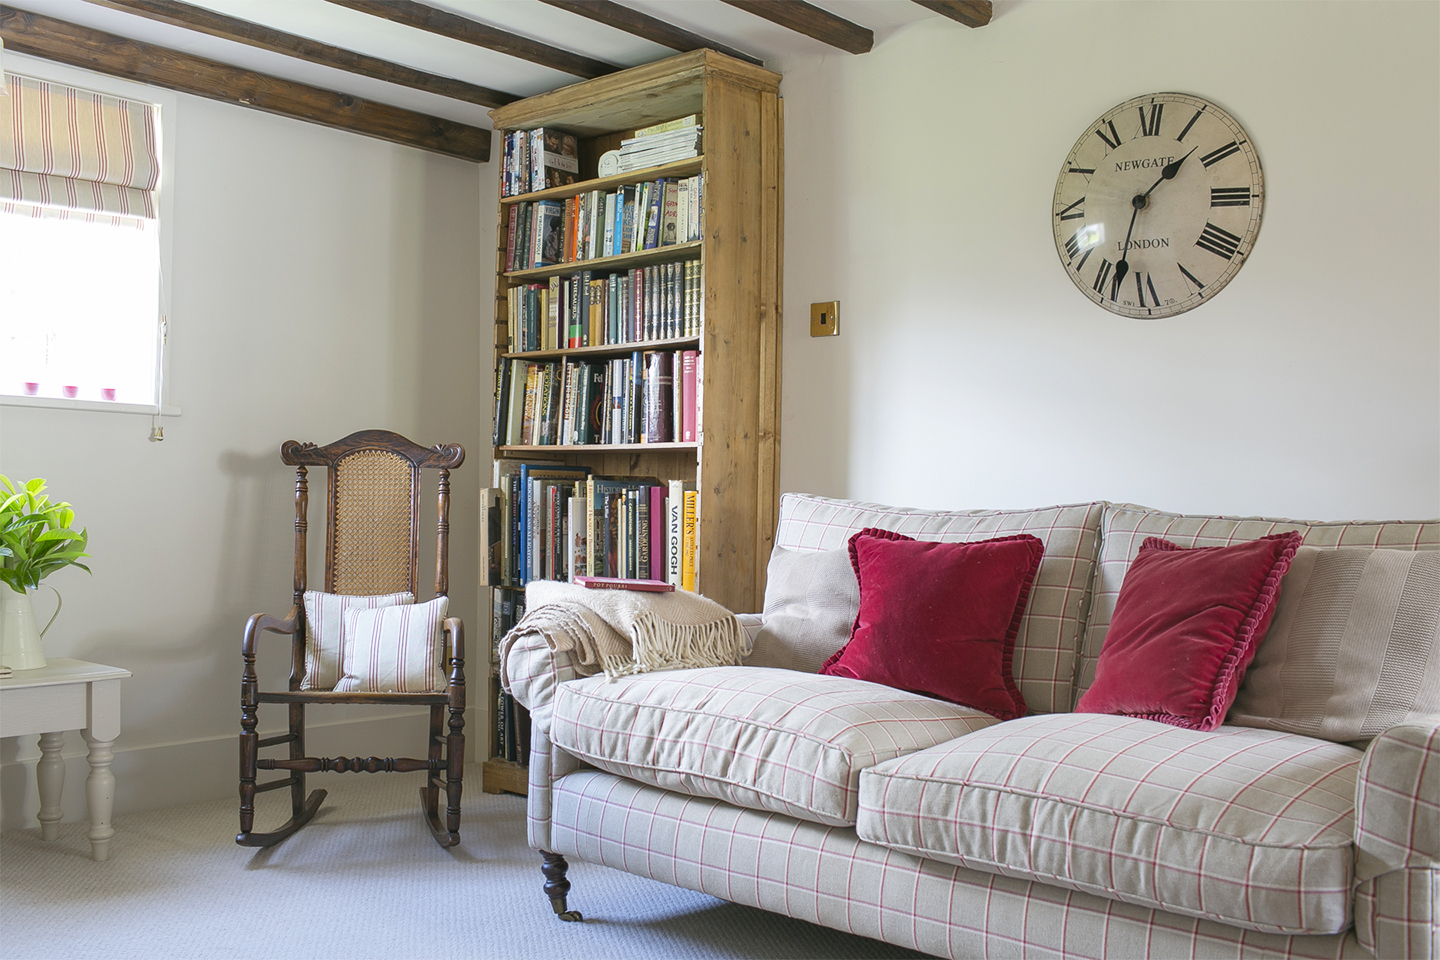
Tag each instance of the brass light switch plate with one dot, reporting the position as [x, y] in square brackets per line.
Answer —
[825, 319]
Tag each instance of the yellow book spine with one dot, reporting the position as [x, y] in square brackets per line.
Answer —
[687, 561]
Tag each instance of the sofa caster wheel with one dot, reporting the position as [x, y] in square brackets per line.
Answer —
[569, 916]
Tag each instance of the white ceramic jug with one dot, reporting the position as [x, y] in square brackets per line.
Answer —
[19, 638]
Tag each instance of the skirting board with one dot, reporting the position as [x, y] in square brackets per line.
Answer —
[192, 771]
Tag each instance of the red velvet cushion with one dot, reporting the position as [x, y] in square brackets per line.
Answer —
[1185, 629]
[940, 618]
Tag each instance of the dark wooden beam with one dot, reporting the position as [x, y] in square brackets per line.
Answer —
[812, 21]
[456, 27]
[43, 36]
[647, 27]
[219, 25]
[972, 13]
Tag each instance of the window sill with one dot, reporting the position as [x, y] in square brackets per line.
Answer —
[104, 406]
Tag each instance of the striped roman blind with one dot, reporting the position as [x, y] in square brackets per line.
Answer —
[70, 152]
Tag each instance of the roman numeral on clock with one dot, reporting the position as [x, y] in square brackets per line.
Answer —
[1229, 196]
[1220, 242]
[1190, 124]
[1219, 153]
[1150, 126]
[1112, 144]
[1142, 280]
[1070, 213]
[1191, 277]
[1087, 171]
[1072, 246]
[1101, 276]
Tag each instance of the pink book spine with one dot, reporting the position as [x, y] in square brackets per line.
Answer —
[657, 532]
[687, 416]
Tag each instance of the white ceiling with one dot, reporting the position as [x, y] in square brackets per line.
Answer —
[352, 30]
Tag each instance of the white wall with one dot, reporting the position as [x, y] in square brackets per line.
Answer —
[970, 372]
[322, 283]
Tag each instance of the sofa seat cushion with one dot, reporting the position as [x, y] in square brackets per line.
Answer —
[1248, 827]
[757, 737]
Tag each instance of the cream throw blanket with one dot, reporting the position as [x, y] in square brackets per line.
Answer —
[627, 631]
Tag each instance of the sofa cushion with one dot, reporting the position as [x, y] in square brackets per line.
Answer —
[1186, 625]
[1048, 639]
[811, 599]
[940, 618]
[757, 737]
[1354, 648]
[1126, 526]
[1249, 827]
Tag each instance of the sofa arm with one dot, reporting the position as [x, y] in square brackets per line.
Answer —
[530, 671]
[750, 623]
[1397, 842]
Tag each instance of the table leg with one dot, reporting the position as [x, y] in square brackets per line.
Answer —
[100, 796]
[50, 775]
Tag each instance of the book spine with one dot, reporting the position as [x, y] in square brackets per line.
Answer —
[502, 399]
[491, 553]
[515, 408]
[611, 531]
[687, 568]
[609, 242]
[669, 224]
[637, 393]
[674, 531]
[514, 221]
[653, 215]
[689, 360]
[677, 398]
[575, 556]
[528, 423]
[656, 517]
[637, 534]
[682, 212]
[652, 397]
[596, 401]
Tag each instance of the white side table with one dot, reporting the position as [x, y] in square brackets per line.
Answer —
[68, 695]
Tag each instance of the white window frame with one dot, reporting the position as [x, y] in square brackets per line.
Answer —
[168, 103]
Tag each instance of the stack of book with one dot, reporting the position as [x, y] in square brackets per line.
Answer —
[667, 142]
[536, 159]
[596, 308]
[641, 216]
[647, 397]
[551, 521]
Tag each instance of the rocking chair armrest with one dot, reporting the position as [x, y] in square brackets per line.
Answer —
[453, 630]
[265, 622]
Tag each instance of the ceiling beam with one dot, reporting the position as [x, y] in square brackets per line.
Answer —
[42, 36]
[812, 21]
[972, 13]
[456, 27]
[647, 27]
[209, 22]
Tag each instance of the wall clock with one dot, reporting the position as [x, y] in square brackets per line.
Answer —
[1158, 205]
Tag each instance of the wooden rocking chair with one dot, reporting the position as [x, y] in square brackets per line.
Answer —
[372, 540]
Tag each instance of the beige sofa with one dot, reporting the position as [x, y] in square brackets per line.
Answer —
[938, 828]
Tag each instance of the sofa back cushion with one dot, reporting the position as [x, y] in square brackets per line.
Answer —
[1126, 526]
[1047, 643]
[1354, 648]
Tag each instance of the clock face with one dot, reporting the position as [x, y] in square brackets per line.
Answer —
[1158, 205]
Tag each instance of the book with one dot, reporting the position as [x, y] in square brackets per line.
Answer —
[689, 362]
[675, 529]
[554, 158]
[492, 550]
[657, 533]
[577, 539]
[549, 233]
[653, 214]
[502, 400]
[627, 221]
[659, 381]
[687, 561]
[679, 123]
[670, 217]
[514, 222]
[623, 583]
[596, 404]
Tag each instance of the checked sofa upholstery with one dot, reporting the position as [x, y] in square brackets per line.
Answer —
[939, 828]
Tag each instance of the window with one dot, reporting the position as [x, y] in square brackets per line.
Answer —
[80, 266]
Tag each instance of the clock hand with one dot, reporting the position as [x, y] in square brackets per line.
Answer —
[1123, 267]
[1169, 171]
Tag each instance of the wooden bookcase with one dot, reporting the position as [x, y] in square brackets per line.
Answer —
[735, 462]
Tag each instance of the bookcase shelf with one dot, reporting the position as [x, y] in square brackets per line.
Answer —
[683, 168]
[606, 349]
[621, 261]
[735, 463]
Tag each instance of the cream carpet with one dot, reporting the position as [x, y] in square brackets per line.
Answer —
[364, 879]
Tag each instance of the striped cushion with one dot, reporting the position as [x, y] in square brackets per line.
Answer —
[1049, 637]
[1125, 527]
[394, 649]
[756, 737]
[1354, 648]
[1248, 827]
[324, 640]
